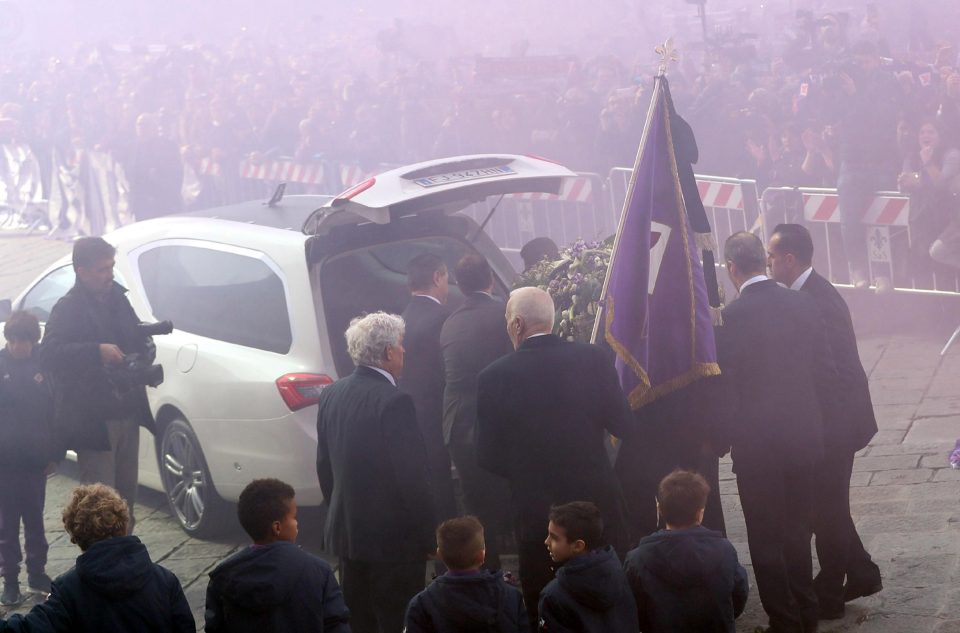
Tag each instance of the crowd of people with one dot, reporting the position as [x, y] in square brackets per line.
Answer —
[608, 539]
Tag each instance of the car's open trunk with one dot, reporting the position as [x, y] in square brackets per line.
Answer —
[359, 269]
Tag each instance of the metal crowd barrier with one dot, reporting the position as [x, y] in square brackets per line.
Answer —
[888, 236]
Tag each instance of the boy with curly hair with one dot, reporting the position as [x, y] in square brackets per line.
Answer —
[273, 585]
[114, 587]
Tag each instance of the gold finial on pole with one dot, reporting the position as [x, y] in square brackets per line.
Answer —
[668, 55]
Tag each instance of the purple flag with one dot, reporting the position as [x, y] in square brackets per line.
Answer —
[656, 311]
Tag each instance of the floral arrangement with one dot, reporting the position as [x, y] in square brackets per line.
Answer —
[575, 282]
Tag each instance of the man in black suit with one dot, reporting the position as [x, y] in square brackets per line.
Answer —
[423, 369]
[848, 426]
[371, 463]
[473, 337]
[542, 413]
[777, 368]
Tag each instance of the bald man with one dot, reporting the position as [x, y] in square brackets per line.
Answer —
[542, 412]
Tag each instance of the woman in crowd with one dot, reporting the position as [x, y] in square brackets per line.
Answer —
[929, 176]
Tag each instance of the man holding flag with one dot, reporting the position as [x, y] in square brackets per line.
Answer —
[656, 313]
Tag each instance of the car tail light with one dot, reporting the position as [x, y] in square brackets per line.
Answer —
[302, 390]
[357, 189]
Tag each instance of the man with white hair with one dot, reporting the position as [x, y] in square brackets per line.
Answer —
[542, 416]
[372, 466]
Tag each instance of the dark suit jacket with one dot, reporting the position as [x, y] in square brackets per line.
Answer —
[851, 422]
[542, 412]
[373, 473]
[777, 368]
[473, 336]
[423, 364]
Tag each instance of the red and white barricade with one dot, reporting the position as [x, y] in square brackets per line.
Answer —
[283, 170]
[889, 208]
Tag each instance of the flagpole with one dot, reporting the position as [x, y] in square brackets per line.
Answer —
[601, 303]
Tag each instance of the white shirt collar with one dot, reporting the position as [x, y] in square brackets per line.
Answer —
[802, 279]
[536, 335]
[752, 280]
[393, 381]
[431, 297]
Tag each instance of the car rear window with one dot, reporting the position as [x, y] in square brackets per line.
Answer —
[221, 295]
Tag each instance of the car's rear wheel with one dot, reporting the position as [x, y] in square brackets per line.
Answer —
[186, 481]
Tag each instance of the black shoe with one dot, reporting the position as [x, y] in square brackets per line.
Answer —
[852, 591]
[39, 582]
[11, 596]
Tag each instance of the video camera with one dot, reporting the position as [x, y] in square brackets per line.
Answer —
[139, 369]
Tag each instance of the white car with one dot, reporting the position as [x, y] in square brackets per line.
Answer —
[260, 295]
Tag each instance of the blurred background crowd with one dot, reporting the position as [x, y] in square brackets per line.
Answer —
[374, 83]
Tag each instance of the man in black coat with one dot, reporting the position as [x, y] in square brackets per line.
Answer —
[777, 368]
[848, 426]
[154, 171]
[542, 415]
[373, 472]
[423, 369]
[474, 336]
[97, 411]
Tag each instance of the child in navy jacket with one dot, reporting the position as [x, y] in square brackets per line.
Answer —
[686, 578]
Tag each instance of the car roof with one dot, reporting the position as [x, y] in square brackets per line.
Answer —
[290, 212]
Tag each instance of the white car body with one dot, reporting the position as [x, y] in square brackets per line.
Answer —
[227, 392]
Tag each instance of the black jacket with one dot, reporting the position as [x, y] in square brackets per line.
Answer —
[472, 337]
[589, 595]
[26, 415]
[276, 587]
[849, 422]
[778, 373]
[687, 581]
[423, 379]
[372, 468]
[84, 394]
[114, 588]
[467, 603]
[542, 416]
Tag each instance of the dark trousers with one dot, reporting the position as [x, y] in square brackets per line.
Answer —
[377, 594]
[643, 462]
[486, 496]
[536, 572]
[839, 548]
[22, 495]
[777, 500]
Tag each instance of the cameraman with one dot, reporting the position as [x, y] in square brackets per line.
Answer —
[96, 411]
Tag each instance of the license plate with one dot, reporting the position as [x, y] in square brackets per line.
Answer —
[466, 174]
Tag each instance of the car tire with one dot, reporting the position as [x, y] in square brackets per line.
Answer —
[193, 500]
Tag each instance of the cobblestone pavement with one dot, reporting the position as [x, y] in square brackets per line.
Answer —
[905, 498]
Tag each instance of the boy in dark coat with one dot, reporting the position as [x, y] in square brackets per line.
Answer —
[114, 587]
[686, 578]
[26, 451]
[589, 593]
[466, 599]
[273, 585]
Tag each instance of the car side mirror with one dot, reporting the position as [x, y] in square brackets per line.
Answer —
[6, 309]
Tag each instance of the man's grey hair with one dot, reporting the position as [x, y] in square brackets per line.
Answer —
[534, 305]
[746, 251]
[368, 337]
